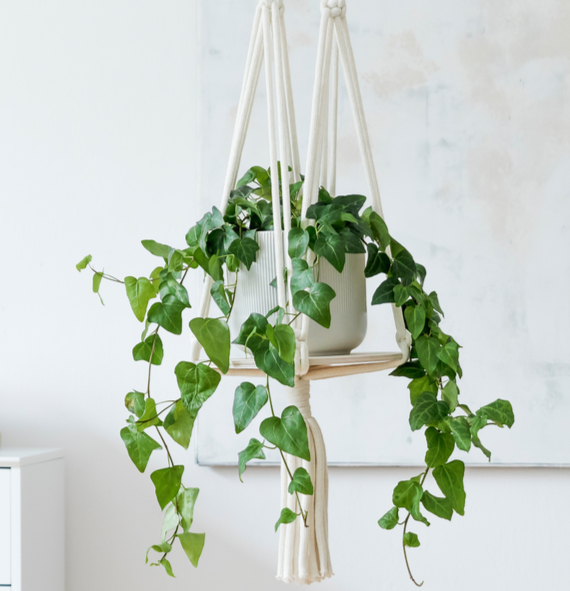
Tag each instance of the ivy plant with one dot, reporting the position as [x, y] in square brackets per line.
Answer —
[223, 244]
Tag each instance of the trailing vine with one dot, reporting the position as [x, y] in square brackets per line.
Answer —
[221, 244]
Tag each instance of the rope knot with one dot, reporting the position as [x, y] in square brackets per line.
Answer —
[336, 7]
[279, 4]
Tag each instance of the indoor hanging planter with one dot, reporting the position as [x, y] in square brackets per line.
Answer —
[317, 225]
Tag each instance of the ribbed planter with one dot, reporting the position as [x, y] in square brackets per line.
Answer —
[348, 308]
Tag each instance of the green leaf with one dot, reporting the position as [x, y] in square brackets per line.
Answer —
[353, 241]
[157, 249]
[97, 277]
[282, 337]
[185, 502]
[385, 293]
[219, 295]
[415, 320]
[379, 229]
[179, 424]
[449, 354]
[301, 483]
[411, 540]
[82, 264]
[350, 203]
[245, 249]
[427, 410]
[449, 478]
[287, 516]
[252, 332]
[401, 295]
[407, 494]
[461, 433]
[139, 291]
[332, 248]
[162, 548]
[268, 360]
[440, 447]
[134, 402]
[302, 276]
[315, 303]
[144, 350]
[167, 314]
[377, 262]
[150, 417]
[390, 519]
[248, 401]
[477, 423]
[403, 266]
[417, 514]
[170, 287]
[139, 446]
[437, 505]
[421, 273]
[288, 433]
[411, 369]
[197, 383]
[254, 450]
[192, 544]
[167, 483]
[214, 335]
[298, 242]
[500, 412]
[435, 302]
[215, 268]
[428, 349]
[420, 385]
[449, 394]
[169, 522]
[167, 567]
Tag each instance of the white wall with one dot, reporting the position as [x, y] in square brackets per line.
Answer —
[97, 149]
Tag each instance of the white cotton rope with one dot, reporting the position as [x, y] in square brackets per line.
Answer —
[303, 551]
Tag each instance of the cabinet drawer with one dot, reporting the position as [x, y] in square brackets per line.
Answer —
[5, 528]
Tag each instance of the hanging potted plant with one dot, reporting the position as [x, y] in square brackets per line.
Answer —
[227, 247]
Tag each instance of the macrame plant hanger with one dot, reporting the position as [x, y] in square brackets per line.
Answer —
[303, 551]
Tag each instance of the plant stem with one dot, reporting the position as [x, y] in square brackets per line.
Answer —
[170, 460]
[150, 361]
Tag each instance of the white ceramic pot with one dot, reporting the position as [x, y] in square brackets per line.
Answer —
[348, 308]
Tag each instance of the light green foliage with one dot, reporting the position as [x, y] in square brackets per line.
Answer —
[214, 335]
[301, 482]
[254, 450]
[288, 433]
[287, 516]
[248, 401]
[224, 245]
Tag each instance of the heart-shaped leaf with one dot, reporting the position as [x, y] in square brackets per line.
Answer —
[301, 482]
[449, 354]
[214, 335]
[150, 346]
[252, 332]
[248, 401]
[315, 303]
[420, 385]
[403, 266]
[185, 501]
[427, 410]
[139, 291]
[390, 519]
[298, 242]
[282, 337]
[192, 544]
[254, 450]
[500, 412]
[332, 248]
[167, 314]
[377, 262]
[167, 483]
[415, 320]
[220, 296]
[411, 540]
[179, 424]
[461, 433]
[169, 286]
[428, 349]
[268, 360]
[385, 292]
[287, 516]
[440, 447]
[139, 446]
[449, 478]
[197, 383]
[437, 505]
[288, 433]
[302, 276]
[245, 249]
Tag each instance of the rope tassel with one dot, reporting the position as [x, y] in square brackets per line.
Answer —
[304, 551]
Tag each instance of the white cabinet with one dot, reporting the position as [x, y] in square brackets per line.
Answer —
[32, 520]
